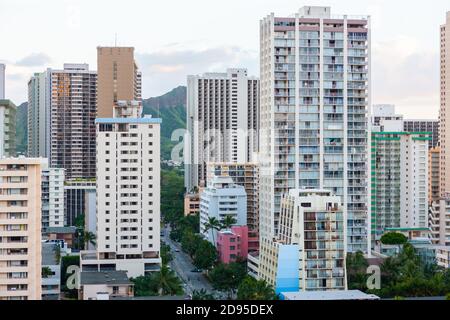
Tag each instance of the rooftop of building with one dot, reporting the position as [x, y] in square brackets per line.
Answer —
[60, 230]
[145, 119]
[24, 160]
[106, 277]
[7, 103]
[329, 295]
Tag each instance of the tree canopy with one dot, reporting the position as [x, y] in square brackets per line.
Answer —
[394, 238]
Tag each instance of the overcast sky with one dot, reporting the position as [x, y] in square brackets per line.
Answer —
[174, 38]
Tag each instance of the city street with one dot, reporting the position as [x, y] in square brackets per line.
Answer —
[182, 265]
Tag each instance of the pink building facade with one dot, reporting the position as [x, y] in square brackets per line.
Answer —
[233, 244]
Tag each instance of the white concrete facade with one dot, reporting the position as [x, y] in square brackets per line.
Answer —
[413, 181]
[314, 220]
[39, 115]
[385, 119]
[315, 98]
[220, 199]
[53, 198]
[128, 195]
[222, 121]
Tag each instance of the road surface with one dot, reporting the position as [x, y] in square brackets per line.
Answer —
[182, 265]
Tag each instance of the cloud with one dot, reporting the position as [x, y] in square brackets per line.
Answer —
[34, 60]
[407, 75]
[168, 68]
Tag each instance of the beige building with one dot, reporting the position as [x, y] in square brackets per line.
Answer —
[191, 204]
[20, 229]
[444, 115]
[434, 186]
[105, 285]
[118, 78]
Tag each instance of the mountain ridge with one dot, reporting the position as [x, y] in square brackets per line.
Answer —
[170, 107]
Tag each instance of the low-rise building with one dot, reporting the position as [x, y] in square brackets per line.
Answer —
[105, 285]
[66, 234]
[246, 175]
[232, 244]
[220, 199]
[191, 203]
[51, 279]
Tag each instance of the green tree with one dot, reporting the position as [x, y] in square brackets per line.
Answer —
[228, 222]
[163, 282]
[190, 242]
[252, 289]
[356, 271]
[166, 255]
[394, 238]
[212, 225]
[89, 238]
[228, 277]
[202, 295]
[205, 255]
[46, 272]
[172, 195]
[167, 282]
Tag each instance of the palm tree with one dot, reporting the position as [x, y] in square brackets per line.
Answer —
[228, 222]
[89, 237]
[212, 225]
[167, 282]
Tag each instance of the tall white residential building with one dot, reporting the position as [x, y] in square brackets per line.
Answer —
[222, 121]
[61, 116]
[414, 181]
[128, 193]
[20, 229]
[2, 81]
[444, 114]
[52, 198]
[315, 93]
[39, 115]
[220, 199]
[309, 252]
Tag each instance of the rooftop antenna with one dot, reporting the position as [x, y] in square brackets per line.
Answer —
[115, 39]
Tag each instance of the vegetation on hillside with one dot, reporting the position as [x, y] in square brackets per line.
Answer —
[171, 108]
